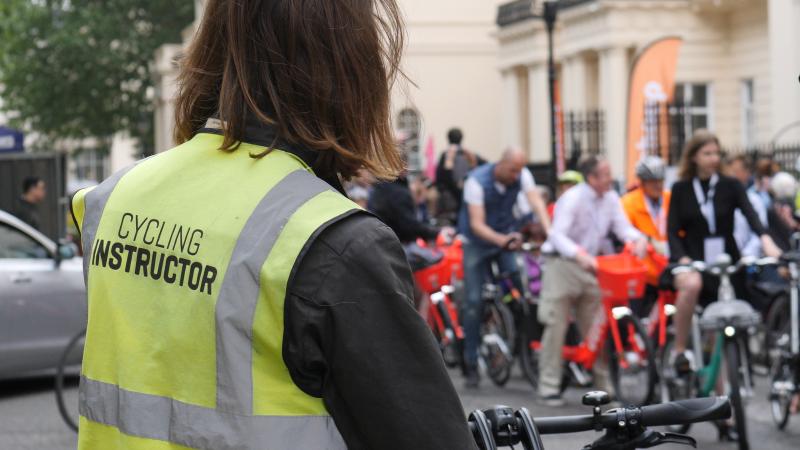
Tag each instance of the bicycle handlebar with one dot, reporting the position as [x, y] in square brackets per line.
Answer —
[681, 412]
[724, 265]
[684, 412]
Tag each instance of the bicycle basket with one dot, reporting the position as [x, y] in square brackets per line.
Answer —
[621, 277]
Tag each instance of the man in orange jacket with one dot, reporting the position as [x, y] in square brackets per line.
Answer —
[647, 208]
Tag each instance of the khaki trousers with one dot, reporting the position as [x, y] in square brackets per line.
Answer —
[566, 286]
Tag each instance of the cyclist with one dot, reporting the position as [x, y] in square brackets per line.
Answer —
[647, 207]
[486, 221]
[565, 181]
[394, 204]
[700, 228]
[584, 217]
[239, 300]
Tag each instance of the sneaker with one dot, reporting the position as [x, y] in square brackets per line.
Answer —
[473, 378]
[553, 400]
[682, 363]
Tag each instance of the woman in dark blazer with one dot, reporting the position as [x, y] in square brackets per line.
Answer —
[700, 227]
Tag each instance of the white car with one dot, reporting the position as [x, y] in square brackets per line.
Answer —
[42, 300]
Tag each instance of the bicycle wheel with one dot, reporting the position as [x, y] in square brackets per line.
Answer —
[70, 354]
[776, 326]
[780, 398]
[453, 353]
[732, 361]
[634, 384]
[497, 331]
[451, 345]
[529, 361]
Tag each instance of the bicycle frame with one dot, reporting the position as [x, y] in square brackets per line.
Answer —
[659, 315]
[444, 316]
[587, 352]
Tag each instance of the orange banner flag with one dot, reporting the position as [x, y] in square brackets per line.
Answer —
[652, 84]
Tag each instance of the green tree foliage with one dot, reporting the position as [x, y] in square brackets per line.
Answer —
[77, 69]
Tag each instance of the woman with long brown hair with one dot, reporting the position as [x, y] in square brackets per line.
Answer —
[276, 313]
[700, 228]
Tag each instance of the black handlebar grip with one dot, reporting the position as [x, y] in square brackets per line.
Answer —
[686, 411]
[568, 424]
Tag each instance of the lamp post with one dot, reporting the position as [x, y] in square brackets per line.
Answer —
[550, 14]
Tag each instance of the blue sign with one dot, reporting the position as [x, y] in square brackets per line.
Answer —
[11, 141]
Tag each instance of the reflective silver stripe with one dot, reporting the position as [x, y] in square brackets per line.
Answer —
[94, 204]
[238, 296]
[165, 419]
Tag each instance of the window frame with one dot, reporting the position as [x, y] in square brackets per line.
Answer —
[691, 110]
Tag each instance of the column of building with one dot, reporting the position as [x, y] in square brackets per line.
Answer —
[613, 101]
[511, 125]
[784, 34]
[539, 113]
[165, 73]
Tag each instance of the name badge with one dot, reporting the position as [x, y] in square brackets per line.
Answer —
[712, 248]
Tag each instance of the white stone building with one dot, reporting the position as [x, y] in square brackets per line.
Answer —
[738, 67]
[451, 56]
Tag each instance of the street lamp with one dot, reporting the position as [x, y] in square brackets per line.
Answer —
[549, 14]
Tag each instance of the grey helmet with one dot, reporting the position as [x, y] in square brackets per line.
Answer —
[650, 168]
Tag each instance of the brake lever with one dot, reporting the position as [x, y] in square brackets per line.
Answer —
[647, 439]
[656, 438]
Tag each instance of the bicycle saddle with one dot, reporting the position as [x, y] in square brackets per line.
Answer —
[420, 257]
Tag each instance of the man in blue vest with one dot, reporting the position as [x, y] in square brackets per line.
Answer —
[487, 222]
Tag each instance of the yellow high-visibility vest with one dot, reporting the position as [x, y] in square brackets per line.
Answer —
[187, 258]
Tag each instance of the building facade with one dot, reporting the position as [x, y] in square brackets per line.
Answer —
[737, 68]
[451, 65]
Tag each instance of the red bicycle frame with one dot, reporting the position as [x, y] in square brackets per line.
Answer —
[435, 282]
[657, 320]
[587, 352]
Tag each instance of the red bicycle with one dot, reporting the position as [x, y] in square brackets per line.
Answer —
[631, 358]
[436, 282]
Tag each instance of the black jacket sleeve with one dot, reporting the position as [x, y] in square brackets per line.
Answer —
[674, 225]
[394, 205]
[353, 337]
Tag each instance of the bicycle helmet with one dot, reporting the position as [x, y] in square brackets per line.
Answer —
[650, 168]
[570, 176]
[784, 186]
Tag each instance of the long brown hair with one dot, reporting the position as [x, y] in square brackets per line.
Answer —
[321, 71]
[688, 168]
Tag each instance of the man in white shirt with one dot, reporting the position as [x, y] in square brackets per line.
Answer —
[584, 217]
[487, 223]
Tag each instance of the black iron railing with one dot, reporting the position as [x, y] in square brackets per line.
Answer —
[584, 134]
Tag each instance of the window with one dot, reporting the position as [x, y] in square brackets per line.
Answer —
[15, 244]
[692, 103]
[748, 113]
[408, 127]
[90, 164]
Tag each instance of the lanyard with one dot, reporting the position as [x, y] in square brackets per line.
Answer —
[659, 218]
[707, 203]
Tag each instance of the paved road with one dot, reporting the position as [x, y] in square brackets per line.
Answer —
[29, 419]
